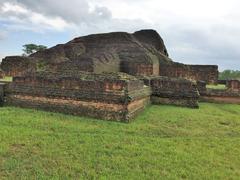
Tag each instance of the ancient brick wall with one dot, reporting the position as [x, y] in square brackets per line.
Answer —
[117, 97]
[1, 94]
[229, 95]
[173, 91]
[233, 85]
[136, 69]
[1, 74]
[201, 86]
[221, 96]
[17, 65]
[207, 73]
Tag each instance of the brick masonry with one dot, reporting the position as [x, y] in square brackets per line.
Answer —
[118, 97]
[229, 95]
[17, 65]
[1, 74]
[173, 91]
[207, 73]
[2, 93]
[233, 85]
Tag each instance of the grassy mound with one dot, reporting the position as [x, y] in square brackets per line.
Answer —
[164, 142]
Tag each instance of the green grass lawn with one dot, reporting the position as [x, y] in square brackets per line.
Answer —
[164, 142]
[7, 79]
[219, 86]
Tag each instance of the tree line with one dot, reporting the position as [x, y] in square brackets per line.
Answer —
[229, 74]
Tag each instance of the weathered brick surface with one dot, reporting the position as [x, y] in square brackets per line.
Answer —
[107, 96]
[136, 54]
[1, 74]
[174, 91]
[221, 96]
[184, 102]
[17, 65]
[222, 93]
[207, 73]
[201, 86]
[2, 93]
[233, 85]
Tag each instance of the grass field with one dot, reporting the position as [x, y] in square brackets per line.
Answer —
[164, 142]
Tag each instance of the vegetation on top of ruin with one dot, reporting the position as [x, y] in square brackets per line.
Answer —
[164, 142]
[29, 49]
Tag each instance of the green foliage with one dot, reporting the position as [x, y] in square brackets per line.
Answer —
[229, 74]
[165, 142]
[32, 48]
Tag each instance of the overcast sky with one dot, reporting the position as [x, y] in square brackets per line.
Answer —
[194, 31]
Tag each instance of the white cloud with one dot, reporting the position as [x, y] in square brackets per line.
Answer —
[74, 11]
[8, 7]
[20, 17]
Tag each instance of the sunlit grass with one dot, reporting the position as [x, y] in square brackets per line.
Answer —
[219, 86]
[7, 79]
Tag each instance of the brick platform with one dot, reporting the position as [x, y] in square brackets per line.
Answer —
[118, 97]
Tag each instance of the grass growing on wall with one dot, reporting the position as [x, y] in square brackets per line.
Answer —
[164, 142]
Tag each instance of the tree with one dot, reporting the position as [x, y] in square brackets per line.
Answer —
[229, 74]
[29, 49]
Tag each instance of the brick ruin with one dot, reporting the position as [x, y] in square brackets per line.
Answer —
[112, 96]
[233, 85]
[2, 91]
[231, 94]
[110, 76]
[1, 75]
[140, 53]
[173, 91]
[17, 66]
[206, 73]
